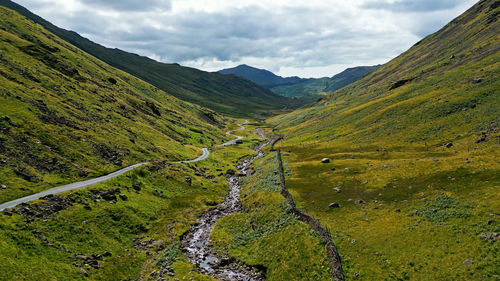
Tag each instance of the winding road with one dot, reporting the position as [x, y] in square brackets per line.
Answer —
[87, 183]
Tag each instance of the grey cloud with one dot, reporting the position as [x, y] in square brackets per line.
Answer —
[282, 37]
[413, 5]
[130, 5]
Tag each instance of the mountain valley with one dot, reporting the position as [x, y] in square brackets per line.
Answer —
[386, 172]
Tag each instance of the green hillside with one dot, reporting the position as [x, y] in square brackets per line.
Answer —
[312, 89]
[415, 159]
[66, 115]
[223, 93]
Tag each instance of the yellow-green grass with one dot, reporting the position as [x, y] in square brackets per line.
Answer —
[380, 242]
[422, 154]
[60, 106]
[266, 235]
[164, 209]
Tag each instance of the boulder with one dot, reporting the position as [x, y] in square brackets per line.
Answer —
[334, 205]
[360, 202]
[467, 262]
[230, 172]
[239, 142]
[491, 237]
[123, 197]
[84, 272]
[325, 160]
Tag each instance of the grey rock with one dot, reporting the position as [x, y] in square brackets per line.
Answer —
[360, 202]
[84, 272]
[325, 160]
[334, 205]
[189, 180]
[467, 262]
[492, 237]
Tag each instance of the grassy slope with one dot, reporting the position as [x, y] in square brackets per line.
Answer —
[315, 88]
[426, 204]
[63, 118]
[223, 93]
[163, 209]
[266, 234]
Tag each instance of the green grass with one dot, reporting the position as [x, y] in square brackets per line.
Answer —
[265, 234]
[163, 209]
[426, 204]
[223, 93]
[66, 116]
[313, 89]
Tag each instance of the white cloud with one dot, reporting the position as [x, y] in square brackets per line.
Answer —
[290, 37]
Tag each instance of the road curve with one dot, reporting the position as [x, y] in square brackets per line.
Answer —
[203, 156]
[68, 187]
[87, 183]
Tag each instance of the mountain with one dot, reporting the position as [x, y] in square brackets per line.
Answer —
[311, 89]
[262, 77]
[66, 115]
[413, 158]
[307, 89]
[225, 94]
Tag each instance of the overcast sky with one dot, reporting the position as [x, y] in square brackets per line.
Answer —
[307, 38]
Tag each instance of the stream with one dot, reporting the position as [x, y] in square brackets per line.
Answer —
[196, 242]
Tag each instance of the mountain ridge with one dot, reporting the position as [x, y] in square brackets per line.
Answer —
[226, 94]
[262, 77]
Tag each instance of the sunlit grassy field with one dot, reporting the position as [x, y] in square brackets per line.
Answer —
[163, 209]
[266, 234]
[415, 159]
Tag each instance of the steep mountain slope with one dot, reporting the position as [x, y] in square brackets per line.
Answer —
[225, 94]
[311, 89]
[262, 77]
[66, 115]
[414, 158]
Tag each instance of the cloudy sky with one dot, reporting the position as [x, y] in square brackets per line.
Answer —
[307, 38]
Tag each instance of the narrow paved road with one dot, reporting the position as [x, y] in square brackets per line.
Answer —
[68, 187]
[87, 183]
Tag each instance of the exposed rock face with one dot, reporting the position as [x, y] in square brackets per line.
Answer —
[109, 154]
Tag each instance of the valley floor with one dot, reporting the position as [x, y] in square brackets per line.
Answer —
[130, 227]
[404, 212]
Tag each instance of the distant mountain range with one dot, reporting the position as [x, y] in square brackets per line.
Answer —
[296, 87]
[262, 77]
[225, 94]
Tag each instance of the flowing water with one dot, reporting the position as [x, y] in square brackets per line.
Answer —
[196, 242]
